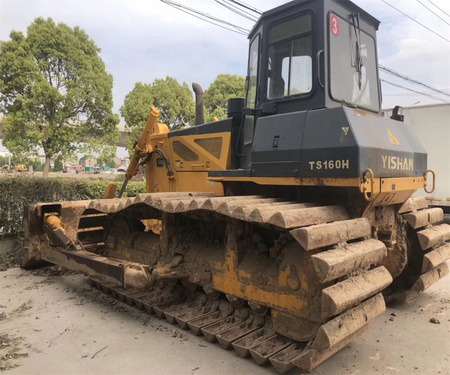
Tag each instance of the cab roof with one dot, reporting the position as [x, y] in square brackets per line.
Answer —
[292, 4]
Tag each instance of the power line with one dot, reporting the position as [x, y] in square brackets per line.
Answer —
[237, 11]
[417, 92]
[439, 8]
[246, 6]
[411, 94]
[208, 18]
[412, 19]
[396, 74]
[437, 15]
[219, 22]
[403, 94]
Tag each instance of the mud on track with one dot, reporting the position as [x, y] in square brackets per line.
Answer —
[52, 323]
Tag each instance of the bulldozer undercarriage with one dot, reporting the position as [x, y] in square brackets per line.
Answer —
[286, 282]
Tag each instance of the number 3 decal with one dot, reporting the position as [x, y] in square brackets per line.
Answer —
[334, 25]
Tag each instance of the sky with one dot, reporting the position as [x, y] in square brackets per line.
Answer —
[142, 40]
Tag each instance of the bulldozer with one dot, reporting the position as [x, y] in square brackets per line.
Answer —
[282, 230]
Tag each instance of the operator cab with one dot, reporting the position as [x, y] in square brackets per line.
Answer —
[310, 54]
[313, 104]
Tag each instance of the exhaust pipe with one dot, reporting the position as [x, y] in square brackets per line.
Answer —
[199, 117]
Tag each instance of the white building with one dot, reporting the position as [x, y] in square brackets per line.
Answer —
[431, 125]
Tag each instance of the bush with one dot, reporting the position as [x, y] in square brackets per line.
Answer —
[17, 192]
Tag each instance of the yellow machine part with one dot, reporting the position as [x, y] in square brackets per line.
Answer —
[191, 157]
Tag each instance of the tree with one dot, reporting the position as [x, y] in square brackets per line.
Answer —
[226, 86]
[55, 92]
[35, 163]
[111, 163]
[58, 167]
[174, 101]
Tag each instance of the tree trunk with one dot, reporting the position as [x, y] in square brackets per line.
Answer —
[47, 165]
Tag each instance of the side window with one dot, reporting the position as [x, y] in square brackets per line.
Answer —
[184, 152]
[253, 73]
[290, 58]
[212, 145]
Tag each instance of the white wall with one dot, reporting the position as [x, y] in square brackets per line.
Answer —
[431, 124]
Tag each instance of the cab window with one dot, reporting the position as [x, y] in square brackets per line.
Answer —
[353, 65]
[290, 58]
[253, 73]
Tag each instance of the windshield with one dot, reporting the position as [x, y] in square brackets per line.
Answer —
[353, 69]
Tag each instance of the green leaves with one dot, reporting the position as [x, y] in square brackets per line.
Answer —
[226, 86]
[55, 91]
[175, 103]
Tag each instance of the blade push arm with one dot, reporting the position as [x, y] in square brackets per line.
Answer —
[142, 148]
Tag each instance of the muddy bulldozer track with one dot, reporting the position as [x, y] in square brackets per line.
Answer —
[429, 249]
[242, 329]
[286, 282]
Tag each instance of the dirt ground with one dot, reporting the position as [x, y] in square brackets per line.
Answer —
[53, 322]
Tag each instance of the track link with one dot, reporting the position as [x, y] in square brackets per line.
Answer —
[249, 334]
[432, 244]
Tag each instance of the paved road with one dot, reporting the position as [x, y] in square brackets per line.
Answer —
[59, 325]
